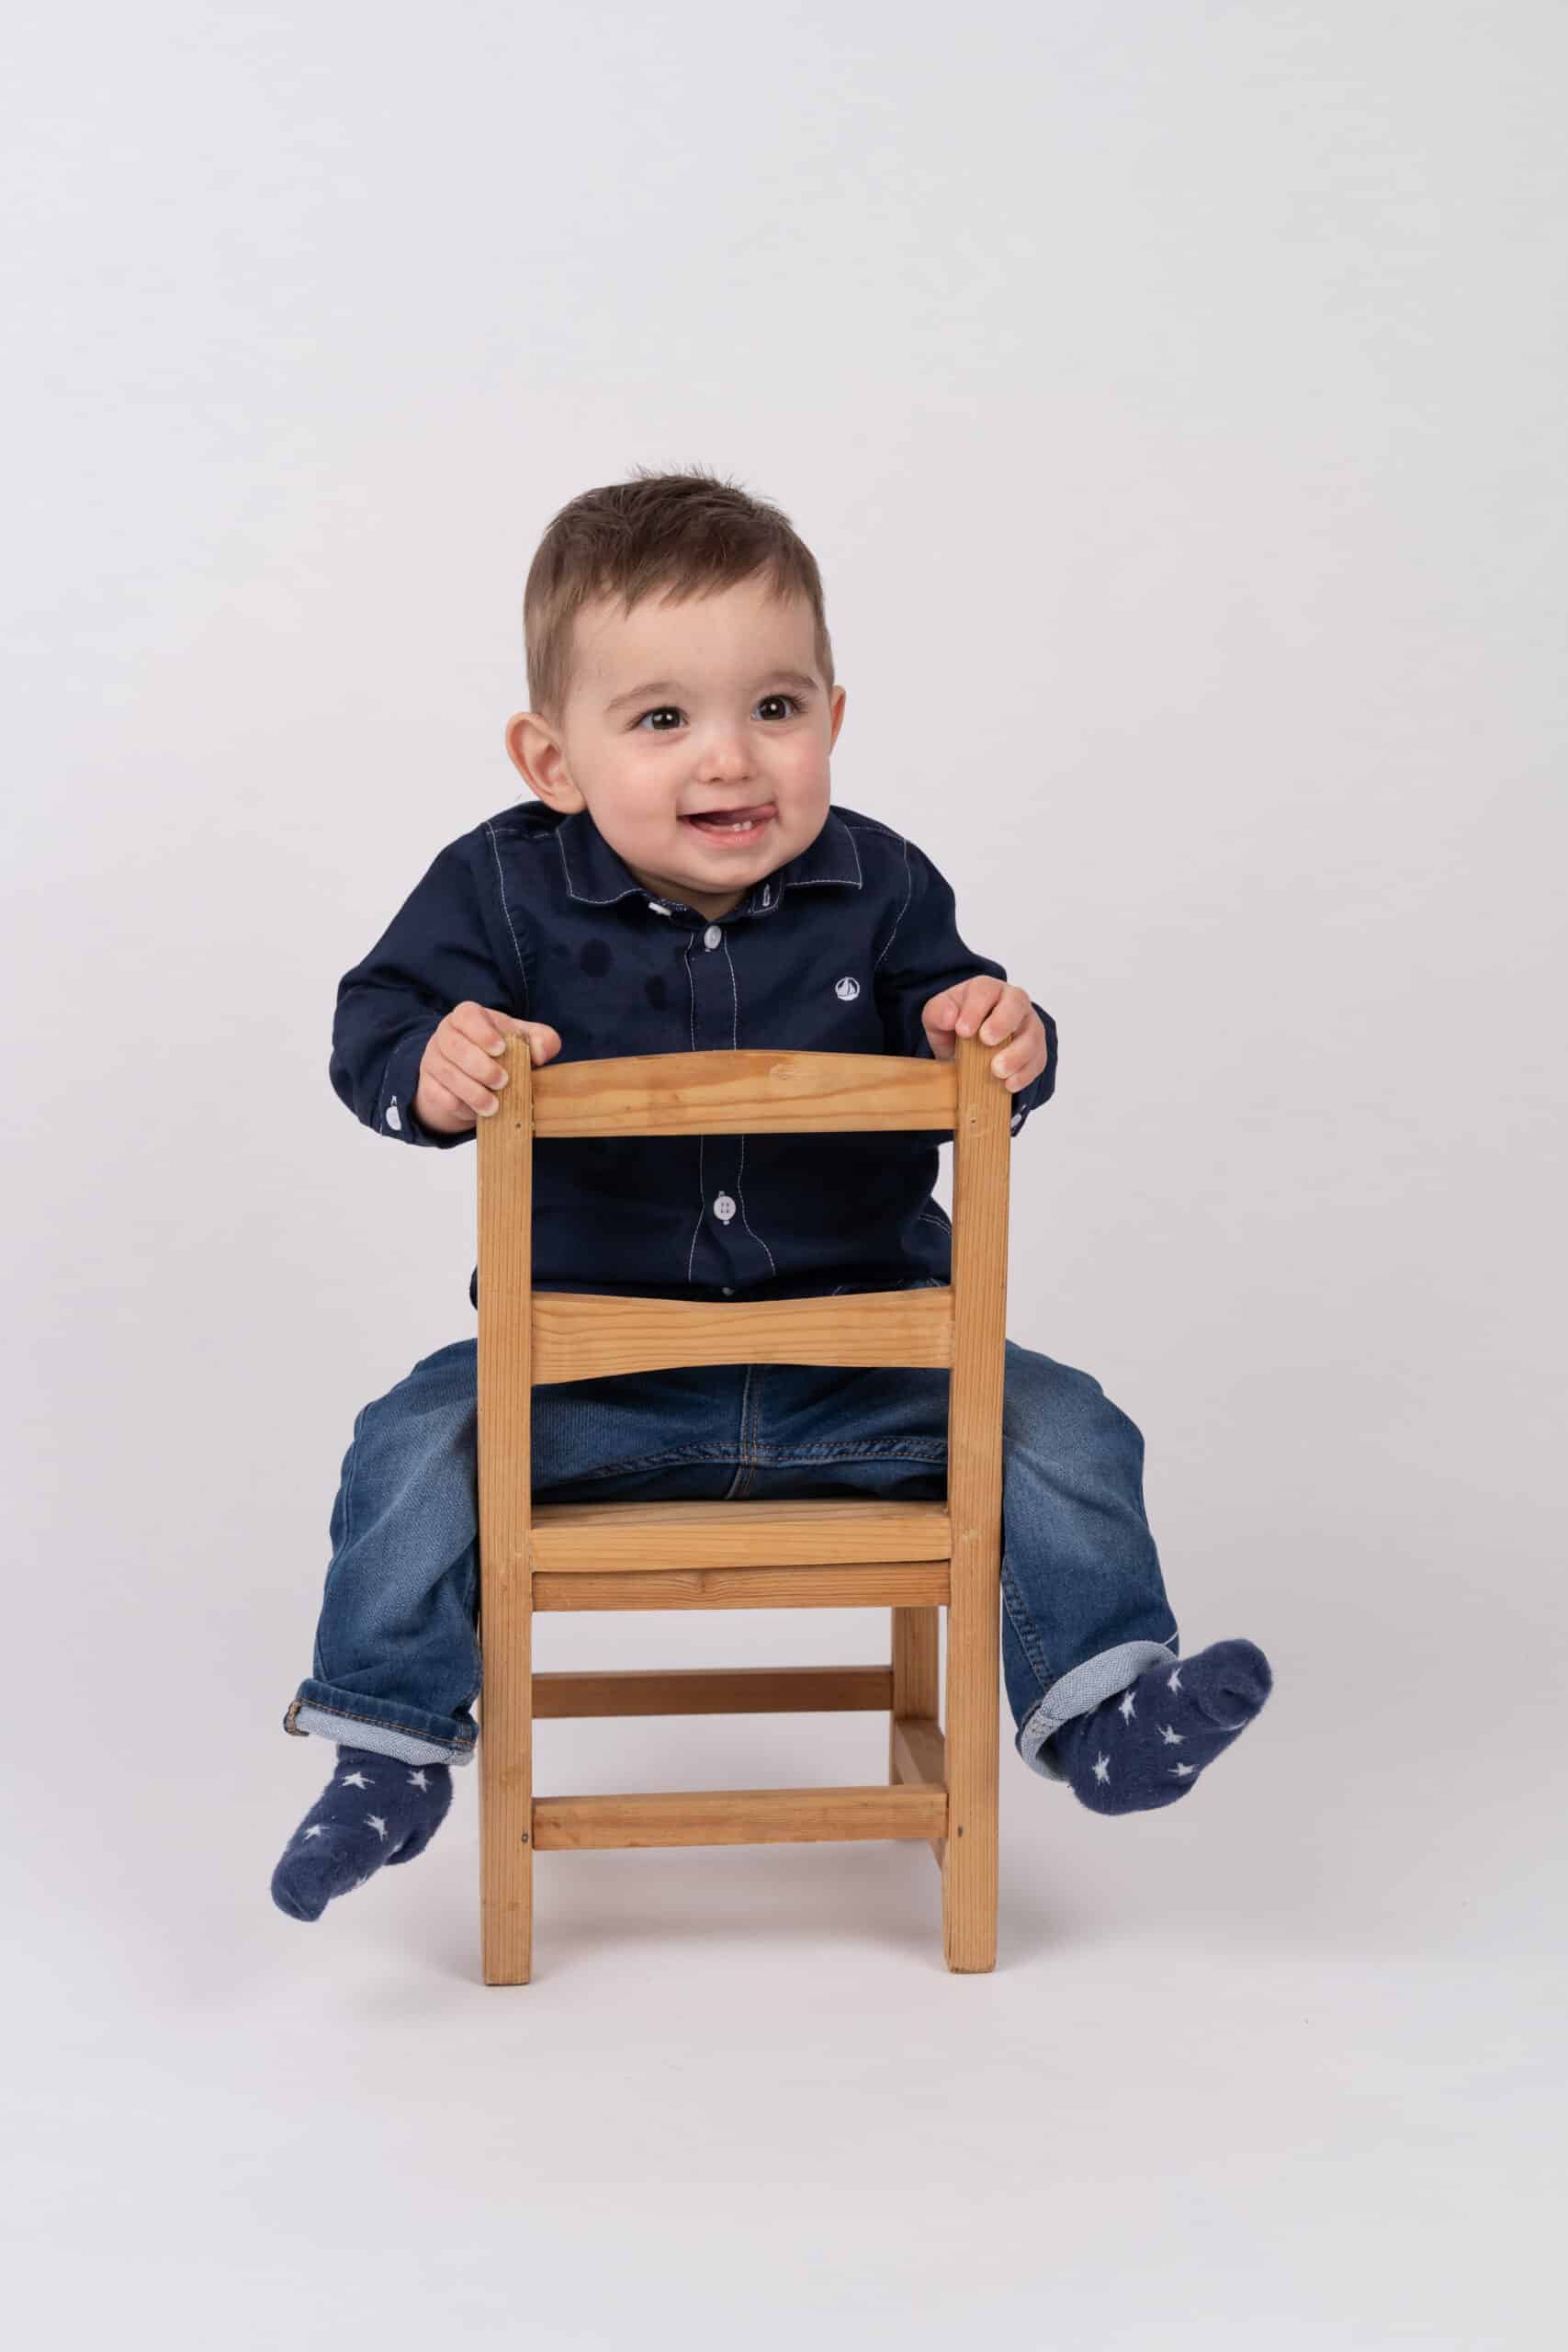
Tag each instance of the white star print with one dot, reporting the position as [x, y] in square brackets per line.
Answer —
[1183, 1771]
[1101, 1769]
[313, 1831]
[1126, 1708]
[1171, 1738]
[376, 1824]
[418, 1780]
[1173, 1680]
[354, 1781]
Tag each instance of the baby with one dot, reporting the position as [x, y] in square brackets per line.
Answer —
[681, 883]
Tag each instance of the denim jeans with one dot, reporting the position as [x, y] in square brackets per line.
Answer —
[396, 1664]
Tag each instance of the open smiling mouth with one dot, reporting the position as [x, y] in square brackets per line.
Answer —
[736, 827]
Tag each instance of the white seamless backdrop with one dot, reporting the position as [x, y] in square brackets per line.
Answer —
[1172, 396]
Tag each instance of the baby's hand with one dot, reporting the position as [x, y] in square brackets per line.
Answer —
[459, 1078]
[1008, 1016]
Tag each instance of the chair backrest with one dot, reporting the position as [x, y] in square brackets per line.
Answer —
[526, 1339]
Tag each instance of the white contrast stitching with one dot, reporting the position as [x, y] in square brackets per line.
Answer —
[501, 888]
[909, 893]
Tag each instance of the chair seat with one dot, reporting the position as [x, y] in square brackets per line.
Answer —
[623, 1538]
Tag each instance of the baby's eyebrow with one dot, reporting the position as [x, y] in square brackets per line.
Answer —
[796, 678]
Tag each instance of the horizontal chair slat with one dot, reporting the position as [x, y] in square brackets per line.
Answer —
[892, 1583]
[737, 1817]
[600, 1537]
[714, 1691]
[579, 1336]
[751, 1092]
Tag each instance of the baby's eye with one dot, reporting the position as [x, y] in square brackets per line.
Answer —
[669, 710]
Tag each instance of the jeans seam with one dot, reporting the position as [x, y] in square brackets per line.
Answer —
[318, 1660]
[746, 1456]
[1028, 1639]
[677, 1456]
[890, 1449]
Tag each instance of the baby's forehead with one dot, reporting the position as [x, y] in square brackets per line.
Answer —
[709, 633]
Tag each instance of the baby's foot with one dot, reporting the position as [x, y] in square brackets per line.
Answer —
[1147, 1745]
[375, 1809]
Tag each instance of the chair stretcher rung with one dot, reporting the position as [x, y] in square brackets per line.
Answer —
[714, 1691]
[895, 1584]
[737, 1817]
[919, 1759]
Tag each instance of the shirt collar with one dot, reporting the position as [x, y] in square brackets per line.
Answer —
[596, 877]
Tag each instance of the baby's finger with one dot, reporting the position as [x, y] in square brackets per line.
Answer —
[978, 1005]
[482, 1026]
[436, 1096]
[1011, 1007]
[453, 1050]
[543, 1043]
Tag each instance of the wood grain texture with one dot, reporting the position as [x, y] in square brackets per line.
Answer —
[915, 1647]
[982, 1141]
[737, 1817]
[919, 1757]
[581, 1336]
[733, 1093]
[714, 1691]
[884, 1584]
[505, 1493]
[598, 1537]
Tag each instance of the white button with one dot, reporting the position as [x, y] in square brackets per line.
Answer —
[1016, 1122]
[712, 935]
[728, 1292]
[724, 1208]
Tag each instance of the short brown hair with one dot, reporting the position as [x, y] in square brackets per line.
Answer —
[683, 534]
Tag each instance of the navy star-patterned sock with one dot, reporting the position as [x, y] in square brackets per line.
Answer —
[375, 1809]
[1147, 1745]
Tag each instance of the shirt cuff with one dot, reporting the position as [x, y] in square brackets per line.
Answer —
[399, 1084]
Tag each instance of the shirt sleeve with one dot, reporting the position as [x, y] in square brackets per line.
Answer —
[924, 954]
[450, 942]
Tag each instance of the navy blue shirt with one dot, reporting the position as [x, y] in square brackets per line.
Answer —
[836, 952]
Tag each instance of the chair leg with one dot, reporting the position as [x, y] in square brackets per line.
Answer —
[506, 1779]
[973, 1734]
[914, 1669]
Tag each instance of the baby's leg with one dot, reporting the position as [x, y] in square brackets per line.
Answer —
[396, 1664]
[1091, 1667]
[1085, 1616]
[397, 1658]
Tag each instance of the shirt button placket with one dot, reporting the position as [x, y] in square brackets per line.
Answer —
[715, 1026]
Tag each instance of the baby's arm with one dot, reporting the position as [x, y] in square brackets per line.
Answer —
[924, 958]
[413, 1019]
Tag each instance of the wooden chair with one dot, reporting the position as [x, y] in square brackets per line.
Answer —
[916, 1557]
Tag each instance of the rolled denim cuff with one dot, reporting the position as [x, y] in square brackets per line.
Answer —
[383, 1726]
[1081, 1689]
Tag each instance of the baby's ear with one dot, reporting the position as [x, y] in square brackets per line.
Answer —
[535, 752]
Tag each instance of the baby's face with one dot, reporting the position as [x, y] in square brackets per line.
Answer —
[679, 710]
